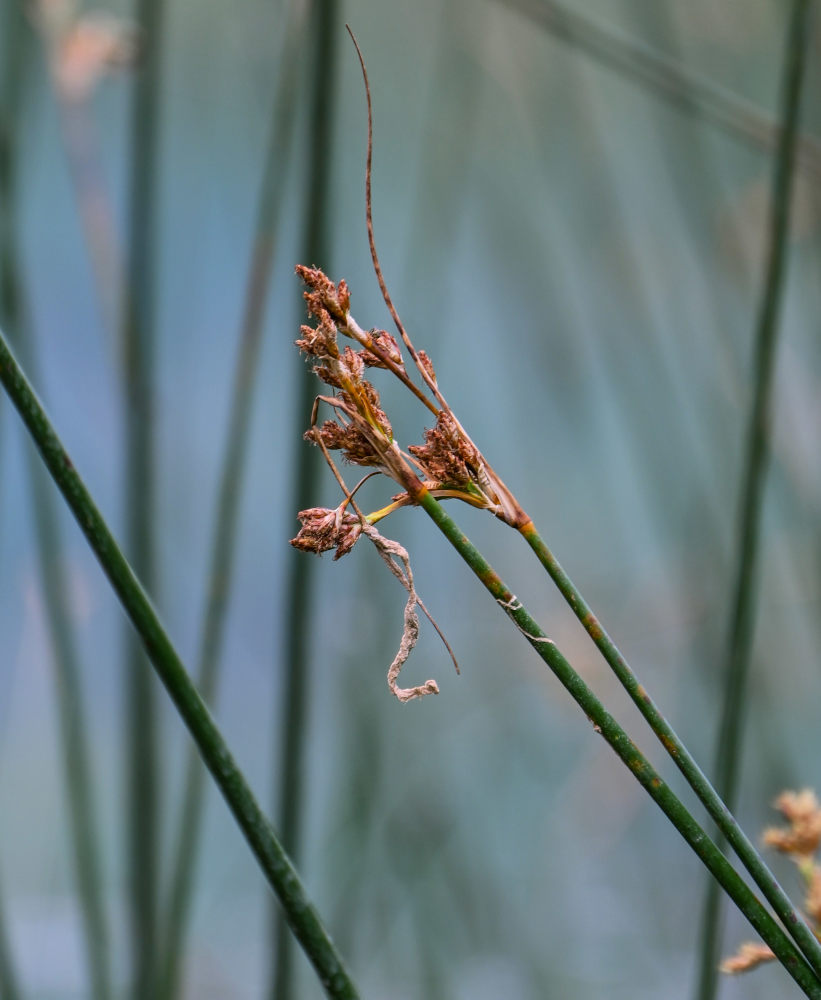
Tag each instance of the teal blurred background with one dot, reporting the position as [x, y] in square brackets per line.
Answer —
[583, 262]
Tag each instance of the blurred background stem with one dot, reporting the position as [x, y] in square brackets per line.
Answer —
[54, 579]
[664, 77]
[9, 988]
[220, 574]
[756, 454]
[140, 494]
[260, 835]
[293, 704]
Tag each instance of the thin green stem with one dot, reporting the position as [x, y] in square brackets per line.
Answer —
[296, 657]
[55, 585]
[671, 742]
[742, 619]
[274, 862]
[627, 751]
[230, 489]
[9, 988]
[665, 78]
[139, 487]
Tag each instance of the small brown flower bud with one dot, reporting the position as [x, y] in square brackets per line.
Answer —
[427, 364]
[324, 529]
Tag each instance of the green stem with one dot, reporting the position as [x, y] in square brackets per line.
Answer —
[139, 488]
[671, 742]
[9, 988]
[665, 78]
[55, 585]
[230, 488]
[742, 620]
[626, 750]
[293, 697]
[274, 862]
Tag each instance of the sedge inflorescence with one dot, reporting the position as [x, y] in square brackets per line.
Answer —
[446, 464]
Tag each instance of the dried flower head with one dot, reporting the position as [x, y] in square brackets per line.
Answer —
[446, 456]
[803, 835]
[385, 344]
[323, 529]
[323, 295]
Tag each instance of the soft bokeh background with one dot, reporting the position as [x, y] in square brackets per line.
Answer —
[583, 262]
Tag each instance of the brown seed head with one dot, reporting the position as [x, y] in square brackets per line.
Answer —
[803, 835]
[446, 457]
[323, 294]
[324, 529]
[382, 340]
[349, 439]
[750, 954]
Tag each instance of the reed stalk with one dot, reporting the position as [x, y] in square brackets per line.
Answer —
[220, 575]
[260, 835]
[296, 681]
[738, 650]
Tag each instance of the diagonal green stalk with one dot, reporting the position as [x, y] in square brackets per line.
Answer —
[293, 698]
[139, 487]
[627, 751]
[230, 489]
[274, 862]
[742, 620]
[665, 78]
[741, 844]
[54, 582]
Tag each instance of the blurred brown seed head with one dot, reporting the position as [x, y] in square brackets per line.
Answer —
[803, 835]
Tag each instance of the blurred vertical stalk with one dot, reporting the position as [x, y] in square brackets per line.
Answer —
[139, 475]
[9, 989]
[220, 575]
[324, 21]
[54, 582]
[742, 620]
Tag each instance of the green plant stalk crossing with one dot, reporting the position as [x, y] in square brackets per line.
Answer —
[736, 667]
[260, 835]
[671, 742]
[296, 659]
[230, 489]
[55, 585]
[627, 751]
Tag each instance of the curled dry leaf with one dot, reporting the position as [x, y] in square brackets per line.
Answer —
[397, 560]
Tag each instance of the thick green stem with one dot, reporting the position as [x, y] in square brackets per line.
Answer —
[293, 696]
[742, 620]
[626, 750]
[230, 489]
[671, 742]
[138, 341]
[274, 862]
[55, 585]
